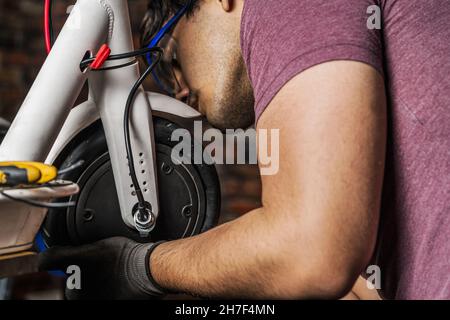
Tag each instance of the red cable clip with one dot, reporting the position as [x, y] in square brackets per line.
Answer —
[101, 57]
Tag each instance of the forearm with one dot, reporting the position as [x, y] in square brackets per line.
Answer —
[236, 260]
[361, 290]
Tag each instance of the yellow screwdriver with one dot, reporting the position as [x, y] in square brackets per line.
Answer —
[26, 173]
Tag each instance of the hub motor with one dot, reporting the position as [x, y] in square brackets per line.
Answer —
[189, 195]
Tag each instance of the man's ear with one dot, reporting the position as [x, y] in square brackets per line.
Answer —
[227, 5]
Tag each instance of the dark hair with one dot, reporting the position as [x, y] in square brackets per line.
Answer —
[158, 11]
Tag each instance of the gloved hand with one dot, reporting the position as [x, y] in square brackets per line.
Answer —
[116, 268]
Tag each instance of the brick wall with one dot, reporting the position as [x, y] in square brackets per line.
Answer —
[22, 53]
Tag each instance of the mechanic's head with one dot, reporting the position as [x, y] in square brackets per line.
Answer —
[209, 67]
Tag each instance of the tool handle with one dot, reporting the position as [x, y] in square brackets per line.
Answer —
[19, 173]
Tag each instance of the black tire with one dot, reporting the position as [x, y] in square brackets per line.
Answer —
[77, 226]
[3, 131]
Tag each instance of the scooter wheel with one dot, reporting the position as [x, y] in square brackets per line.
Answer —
[189, 195]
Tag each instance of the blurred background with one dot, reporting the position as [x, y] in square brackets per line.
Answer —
[22, 53]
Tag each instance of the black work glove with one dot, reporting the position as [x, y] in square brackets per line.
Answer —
[115, 268]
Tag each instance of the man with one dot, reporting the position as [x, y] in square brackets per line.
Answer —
[364, 175]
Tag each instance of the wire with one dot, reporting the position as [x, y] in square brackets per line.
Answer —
[48, 27]
[38, 204]
[158, 37]
[45, 205]
[116, 67]
[71, 168]
[39, 186]
[133, 54]
[129, 104]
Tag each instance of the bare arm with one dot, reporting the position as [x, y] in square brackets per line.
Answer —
[360, 291]
[317, 227]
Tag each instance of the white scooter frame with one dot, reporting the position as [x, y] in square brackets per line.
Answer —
[46, 122]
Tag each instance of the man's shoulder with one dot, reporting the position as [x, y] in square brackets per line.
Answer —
[281, 39]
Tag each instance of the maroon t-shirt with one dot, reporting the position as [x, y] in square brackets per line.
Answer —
[282, 38]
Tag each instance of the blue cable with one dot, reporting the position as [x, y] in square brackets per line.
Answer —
[161, 33]
[41, 247]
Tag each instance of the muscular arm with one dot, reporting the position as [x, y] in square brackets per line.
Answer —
[317, 227]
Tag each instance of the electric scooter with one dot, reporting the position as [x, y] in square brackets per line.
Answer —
[109, 184]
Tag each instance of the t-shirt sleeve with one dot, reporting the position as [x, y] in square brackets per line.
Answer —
[280, 39]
